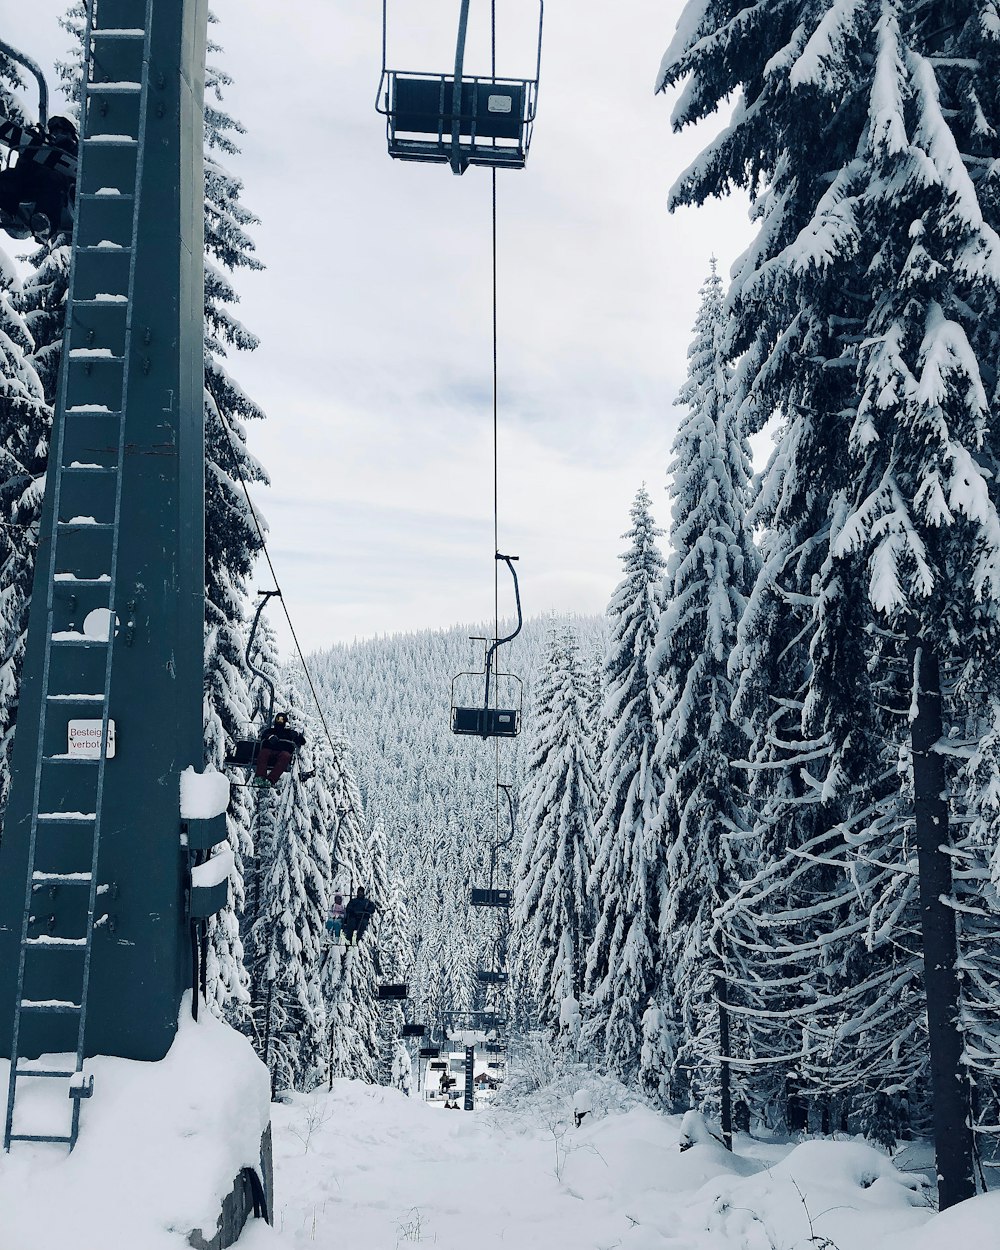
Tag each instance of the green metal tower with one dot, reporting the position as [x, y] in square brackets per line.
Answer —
[95, 896]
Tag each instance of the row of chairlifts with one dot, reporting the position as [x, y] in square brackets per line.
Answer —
[459, 119]
[494, 898]
[38, 186]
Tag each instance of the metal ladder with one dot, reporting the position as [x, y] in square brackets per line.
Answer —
[87, 497]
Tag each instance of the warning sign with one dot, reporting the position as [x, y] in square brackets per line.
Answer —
[85, 739]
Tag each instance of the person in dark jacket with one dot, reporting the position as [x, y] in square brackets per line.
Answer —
[277, 747]
[357, 916]
[36, 193]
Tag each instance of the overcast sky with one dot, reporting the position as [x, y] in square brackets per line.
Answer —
[374, 310]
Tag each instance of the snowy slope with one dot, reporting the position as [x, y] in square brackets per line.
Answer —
[366, 1167]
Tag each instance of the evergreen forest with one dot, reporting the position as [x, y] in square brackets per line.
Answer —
[752, 822]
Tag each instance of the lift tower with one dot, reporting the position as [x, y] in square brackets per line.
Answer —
[95, 897]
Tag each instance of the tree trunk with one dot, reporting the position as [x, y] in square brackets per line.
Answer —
[725, 1082]
[949, 1080]
[796, 1106]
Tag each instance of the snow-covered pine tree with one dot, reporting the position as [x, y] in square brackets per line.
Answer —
[554, 914]
[24, 426]
[391, 941]
[349, 976]
[232, 538]
[874, 271]
[711, 568]
[294, 878]
[39, 306]
[623, 957]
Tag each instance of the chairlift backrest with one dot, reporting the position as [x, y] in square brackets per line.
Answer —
[491, 898]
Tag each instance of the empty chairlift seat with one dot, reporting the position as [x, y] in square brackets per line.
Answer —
[491, 898]
[392, 991]
[486, 722]
[491, 976]
[493, 120]
[414, 1030]
[244, 751]
[459, 119]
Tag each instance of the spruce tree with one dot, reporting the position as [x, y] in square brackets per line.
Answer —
[232, 538]
[866, 313]
[24, 421]
[554, 912]
[709, 574]
[623, 956]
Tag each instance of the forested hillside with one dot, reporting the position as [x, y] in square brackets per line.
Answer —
[432, 791]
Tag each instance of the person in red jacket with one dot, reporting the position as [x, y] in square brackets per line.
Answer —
[277, 747]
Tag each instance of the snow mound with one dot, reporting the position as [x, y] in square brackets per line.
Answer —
[973, 1224]
[823, 1192]
[160, 1146]
[203, 795]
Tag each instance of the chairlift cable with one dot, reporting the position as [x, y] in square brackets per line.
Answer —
[496, 455]
[274, 575]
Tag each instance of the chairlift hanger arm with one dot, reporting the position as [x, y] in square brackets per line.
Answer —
[265, 595]
[499, 642]
[35, 70]
[456, 90]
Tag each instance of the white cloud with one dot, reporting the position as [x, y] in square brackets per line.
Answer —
[374, 309]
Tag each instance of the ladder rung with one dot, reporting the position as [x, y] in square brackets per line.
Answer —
[44, 1072]
[76, 760]
[93, 410]
[95, 353]
[113, 88]
[61, 878]
[87, 468]
[107, 249]
[75, 698]
[45, 942]
[71, 579]
[118, 301]
[122, 32]
[54, 1005]
[86, 525]
[67, 1141]
[82, 818]
[113, 196]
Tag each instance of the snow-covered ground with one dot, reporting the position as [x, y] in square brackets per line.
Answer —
[366, 1167]
[160, 1145]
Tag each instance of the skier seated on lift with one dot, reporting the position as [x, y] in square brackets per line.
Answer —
[335, 920]
[36, 195]
[357, 916]
[277, 747]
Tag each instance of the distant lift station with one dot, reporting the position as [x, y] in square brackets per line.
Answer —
[459, 119]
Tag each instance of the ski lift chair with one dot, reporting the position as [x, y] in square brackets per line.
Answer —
[459, 119]
[414, 1030]
[491, 976]
[489, 720]
[392, 992]
[37, 194]
[429, 1052]
[490, 898]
